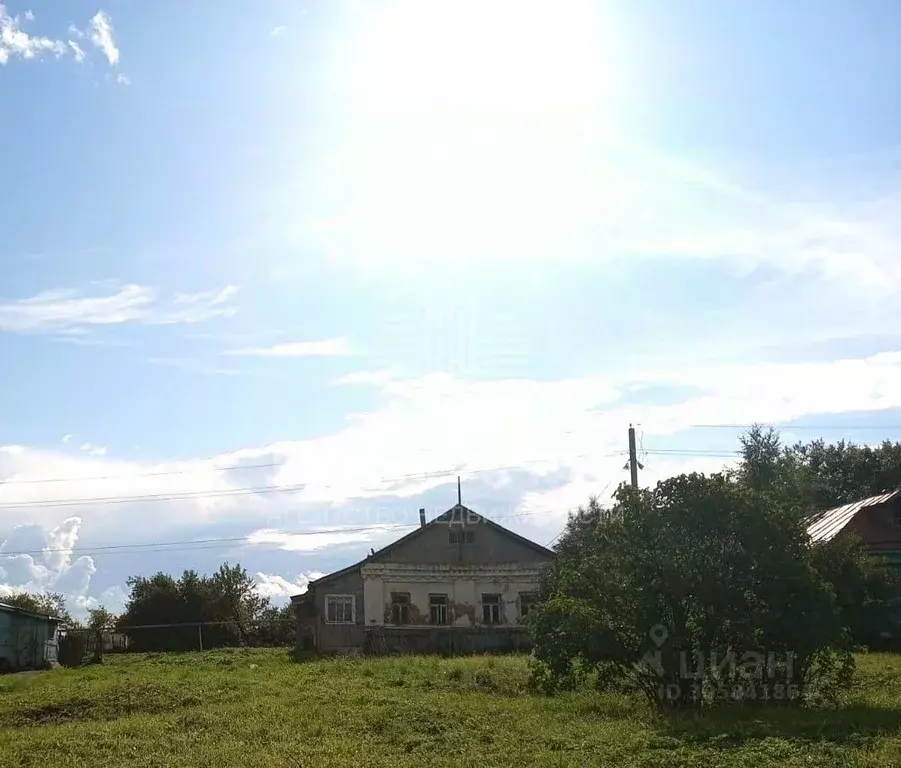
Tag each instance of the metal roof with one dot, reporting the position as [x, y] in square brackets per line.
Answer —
[827, 525]
[445, 517]
[21, 611]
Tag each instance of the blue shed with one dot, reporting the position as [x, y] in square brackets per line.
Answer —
[27, 640]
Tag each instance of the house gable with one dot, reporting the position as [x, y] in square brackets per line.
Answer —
[879, 527]
[461, 536]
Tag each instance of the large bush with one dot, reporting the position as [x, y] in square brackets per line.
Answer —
[699, 590]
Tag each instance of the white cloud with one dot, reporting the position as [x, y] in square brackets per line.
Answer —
[66, 438]
[313, 542]
[14, 42]
[72, 310]
[39, 561]
[94, 450]
[374, 378]
[193, 365]
[198, 307]
[548, 445]
[277, 587]
[279, 30]
[123, 80]
[102, 36]
[78, 51]
[325, 348]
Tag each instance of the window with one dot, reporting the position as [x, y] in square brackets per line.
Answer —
[438, 609]
[461, 537]
[340, 609]
[491, 609]
[400, 607]
[526, 603]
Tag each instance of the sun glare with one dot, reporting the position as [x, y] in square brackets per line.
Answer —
[477, 54]
[473, 130]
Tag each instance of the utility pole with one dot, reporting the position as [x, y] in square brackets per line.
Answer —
[633, 457]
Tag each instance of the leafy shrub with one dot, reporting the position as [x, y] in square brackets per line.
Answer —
[701, 590]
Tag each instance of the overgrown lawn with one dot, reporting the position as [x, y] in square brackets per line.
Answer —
[259, 708]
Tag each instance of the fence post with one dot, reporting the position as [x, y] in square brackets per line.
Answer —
[200, 635]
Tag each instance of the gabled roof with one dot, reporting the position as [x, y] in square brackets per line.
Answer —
[457, 513]
[827, 525]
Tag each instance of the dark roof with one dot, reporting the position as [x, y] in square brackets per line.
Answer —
[22, 612]
[455, 513]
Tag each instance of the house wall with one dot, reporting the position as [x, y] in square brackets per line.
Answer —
[495, 561]
[464, 586]
[26, 642]
[336, 638]
[876, 528]
[490, 546]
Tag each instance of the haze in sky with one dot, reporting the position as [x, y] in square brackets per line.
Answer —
[275, 272]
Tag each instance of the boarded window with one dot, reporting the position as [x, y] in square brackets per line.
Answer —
[491, 609]
[438, 609]
[461, 537]
[340, 609]
[400, 607]
[527, 601]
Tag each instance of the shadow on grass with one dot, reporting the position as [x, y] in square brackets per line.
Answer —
[735, 726]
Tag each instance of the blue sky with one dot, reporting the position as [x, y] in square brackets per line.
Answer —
[361, 242]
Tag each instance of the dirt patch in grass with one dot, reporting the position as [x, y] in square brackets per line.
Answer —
[69, 711]
[113, 703]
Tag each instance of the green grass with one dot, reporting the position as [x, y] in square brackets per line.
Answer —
[258, 708]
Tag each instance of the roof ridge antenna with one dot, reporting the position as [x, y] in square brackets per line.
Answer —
[459, 492]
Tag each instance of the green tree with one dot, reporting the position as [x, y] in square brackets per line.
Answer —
[164, 613]
[99, 618]
[48, 604]
[842, 472]
[276, 626]
[700, 565]
[817, 476]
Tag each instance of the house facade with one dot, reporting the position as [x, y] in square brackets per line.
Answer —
[459, 583]
[27, 640]
[876, 520]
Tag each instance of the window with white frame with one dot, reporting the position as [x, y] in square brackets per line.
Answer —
[340, 609]
[400, 608]
[438, 609]
[491, 609]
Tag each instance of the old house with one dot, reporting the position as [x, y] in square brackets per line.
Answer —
[876, 520]
[27, 640]
[458, 583]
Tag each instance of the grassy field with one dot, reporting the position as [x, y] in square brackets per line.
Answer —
[258, 708]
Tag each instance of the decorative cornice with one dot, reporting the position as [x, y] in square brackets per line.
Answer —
[443, 572]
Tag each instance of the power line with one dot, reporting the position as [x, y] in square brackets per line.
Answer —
[188, 545]
[142, 474]
[691, 452]
[176, 546]
[155, 497]
[791, 427]
[188, 495]
[606, 488]
[455, 471]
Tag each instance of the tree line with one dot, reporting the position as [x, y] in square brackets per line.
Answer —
[218, 610]
[705, 589]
